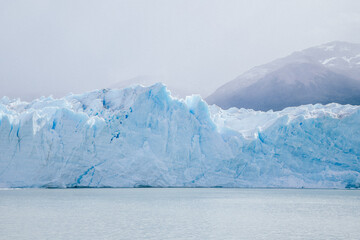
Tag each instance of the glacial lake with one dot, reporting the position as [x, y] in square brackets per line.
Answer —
[196, 213]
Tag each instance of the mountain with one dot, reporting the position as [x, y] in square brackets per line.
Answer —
[141, 136]
[149, 80]
[323, 74]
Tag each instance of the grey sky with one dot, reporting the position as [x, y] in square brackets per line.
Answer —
[55, 47]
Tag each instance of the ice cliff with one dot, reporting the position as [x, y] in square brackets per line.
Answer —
[143, 137]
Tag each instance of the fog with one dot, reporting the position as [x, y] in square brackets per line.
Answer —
[57, 47]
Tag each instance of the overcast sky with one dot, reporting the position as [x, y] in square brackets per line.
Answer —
[56, 47]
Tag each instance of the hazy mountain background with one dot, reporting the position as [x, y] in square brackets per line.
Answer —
[57, 47]
[322, 74]
[148, 80]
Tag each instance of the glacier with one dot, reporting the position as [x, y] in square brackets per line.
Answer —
[143, 137]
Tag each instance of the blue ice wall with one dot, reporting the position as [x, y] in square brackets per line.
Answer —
[143, 137]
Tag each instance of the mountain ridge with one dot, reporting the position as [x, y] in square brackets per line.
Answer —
[338, 59]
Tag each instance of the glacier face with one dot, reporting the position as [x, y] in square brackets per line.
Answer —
[143, 137]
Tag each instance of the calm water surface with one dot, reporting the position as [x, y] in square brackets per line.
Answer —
[179, 214]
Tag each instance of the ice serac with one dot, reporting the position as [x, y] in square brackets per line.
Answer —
[143, 137]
